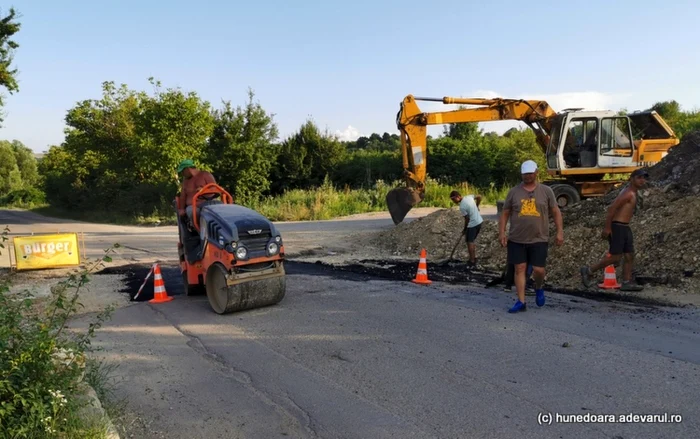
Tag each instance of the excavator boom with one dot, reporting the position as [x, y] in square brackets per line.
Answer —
[412, 124]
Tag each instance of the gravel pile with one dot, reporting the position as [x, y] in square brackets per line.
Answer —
[666, 230]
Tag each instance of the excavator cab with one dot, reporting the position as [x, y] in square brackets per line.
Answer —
[598, 142]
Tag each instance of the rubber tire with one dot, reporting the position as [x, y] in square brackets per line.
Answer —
[191, 290]
[567, 193]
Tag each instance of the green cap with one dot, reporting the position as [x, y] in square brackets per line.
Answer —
[187, 163]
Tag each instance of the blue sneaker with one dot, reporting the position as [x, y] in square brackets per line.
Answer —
[540, 297]
[519, 306]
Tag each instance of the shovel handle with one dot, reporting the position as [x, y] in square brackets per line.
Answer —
[455, 247]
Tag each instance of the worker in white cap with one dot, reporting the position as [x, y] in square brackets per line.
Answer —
[528, 207]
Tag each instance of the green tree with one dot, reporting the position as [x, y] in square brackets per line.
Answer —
[362, 168]
[307, 157]
[10, 175]
[121, 151]
[462, 131]
[241, 150]
[682, 122]
[26, 163]
[8, 76]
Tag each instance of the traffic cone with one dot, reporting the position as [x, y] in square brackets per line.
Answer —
[159, 293]
[610, 280]
[422, 274]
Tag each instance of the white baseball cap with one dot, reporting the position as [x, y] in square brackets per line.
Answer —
[528, 167]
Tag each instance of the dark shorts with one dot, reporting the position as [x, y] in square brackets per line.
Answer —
[473, 232]
[534, 254]
[621, 240]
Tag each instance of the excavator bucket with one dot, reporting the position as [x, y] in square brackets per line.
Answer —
[400, 201]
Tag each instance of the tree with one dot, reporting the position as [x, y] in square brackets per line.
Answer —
[667, 109]
[18, 168]
[307, 157]
[10, 175]
[461, 131]
[121, 151]
[241, 150]
[8, 76]
[682, 122]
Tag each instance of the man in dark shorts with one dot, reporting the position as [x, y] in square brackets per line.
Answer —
[619, 234]
[528, 206]
[469, 208]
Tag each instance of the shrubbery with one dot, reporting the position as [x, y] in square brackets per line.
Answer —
[43, 365]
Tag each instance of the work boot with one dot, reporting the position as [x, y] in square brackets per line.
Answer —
[585, 273]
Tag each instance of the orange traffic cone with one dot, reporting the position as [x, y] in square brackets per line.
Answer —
[610, 280]
[422, 274]
[159, 293]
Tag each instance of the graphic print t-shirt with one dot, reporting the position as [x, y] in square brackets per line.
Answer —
[529, 213]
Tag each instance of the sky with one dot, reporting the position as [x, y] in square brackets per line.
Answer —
[347, 65]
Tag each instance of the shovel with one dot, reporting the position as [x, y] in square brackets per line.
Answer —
[451, 259]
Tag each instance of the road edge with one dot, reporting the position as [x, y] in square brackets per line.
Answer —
[95, 410]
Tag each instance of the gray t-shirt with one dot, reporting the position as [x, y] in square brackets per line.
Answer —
[529, 213]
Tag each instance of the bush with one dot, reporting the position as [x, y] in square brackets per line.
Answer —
[42, 366]
[24, 197]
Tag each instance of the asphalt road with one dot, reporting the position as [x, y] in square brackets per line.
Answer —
[158, 243]
[351, 356]
[348, 356]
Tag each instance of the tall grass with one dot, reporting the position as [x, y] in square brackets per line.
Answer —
[322, 203]
[328, 202]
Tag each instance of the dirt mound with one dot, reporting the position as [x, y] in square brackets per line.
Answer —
[666, 230]
[437, 233]
[679, 169]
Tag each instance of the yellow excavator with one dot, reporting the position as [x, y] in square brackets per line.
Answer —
[580, 147]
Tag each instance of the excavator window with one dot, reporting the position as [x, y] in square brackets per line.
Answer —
[553, 150]
[616, 137]
[581, 143]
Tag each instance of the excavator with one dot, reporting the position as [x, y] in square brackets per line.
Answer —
[581, 147]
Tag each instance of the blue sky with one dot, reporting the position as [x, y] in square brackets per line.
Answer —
[348, 64]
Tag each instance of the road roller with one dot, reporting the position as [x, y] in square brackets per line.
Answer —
[229, 252]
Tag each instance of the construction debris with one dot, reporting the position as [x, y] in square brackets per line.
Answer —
[666, 231]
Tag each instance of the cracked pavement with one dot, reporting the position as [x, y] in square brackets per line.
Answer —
[354, 357]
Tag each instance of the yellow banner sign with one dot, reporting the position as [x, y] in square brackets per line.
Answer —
[46, 251]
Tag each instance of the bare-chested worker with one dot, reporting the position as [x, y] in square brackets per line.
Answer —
[619, 234]
[193, 181]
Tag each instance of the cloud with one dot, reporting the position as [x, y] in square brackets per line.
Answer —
[348, 134]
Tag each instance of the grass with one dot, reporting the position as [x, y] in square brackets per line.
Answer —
[328, 202]
[322, 203]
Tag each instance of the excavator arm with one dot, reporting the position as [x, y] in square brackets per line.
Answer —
[413, 126]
